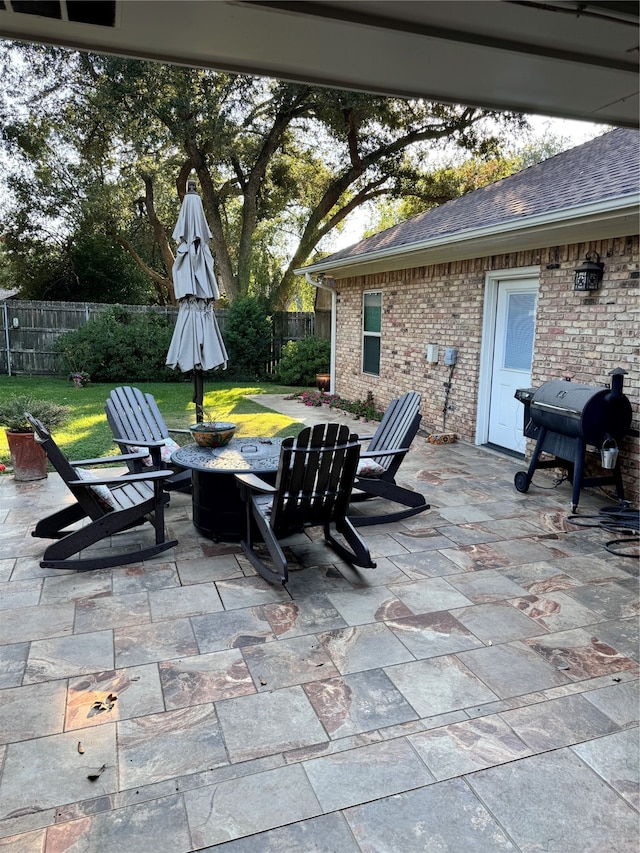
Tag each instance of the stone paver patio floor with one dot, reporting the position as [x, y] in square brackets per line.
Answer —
[477, 691]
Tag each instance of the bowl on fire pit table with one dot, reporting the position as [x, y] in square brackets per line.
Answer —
[213, 433]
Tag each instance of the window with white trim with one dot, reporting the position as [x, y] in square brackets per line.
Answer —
[371, 331]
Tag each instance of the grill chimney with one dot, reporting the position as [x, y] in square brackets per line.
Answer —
[616, 383]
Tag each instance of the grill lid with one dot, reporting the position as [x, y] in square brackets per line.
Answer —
[569, 398]
[590, 412]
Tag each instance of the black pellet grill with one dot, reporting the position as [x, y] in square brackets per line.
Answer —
[564, 417]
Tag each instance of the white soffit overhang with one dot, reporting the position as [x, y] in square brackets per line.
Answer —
[598, 221]
[559, 58]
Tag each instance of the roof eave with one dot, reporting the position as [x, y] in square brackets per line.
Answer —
[597, 221]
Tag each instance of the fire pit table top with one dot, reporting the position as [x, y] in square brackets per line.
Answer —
[252, 454]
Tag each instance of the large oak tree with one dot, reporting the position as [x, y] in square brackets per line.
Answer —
[109, 143]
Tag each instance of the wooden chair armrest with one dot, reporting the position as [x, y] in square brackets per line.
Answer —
[137, 442]
[370, 454]
[179, 431]
[364, 438]
[124, 478]
[255, 484]
[108, 460]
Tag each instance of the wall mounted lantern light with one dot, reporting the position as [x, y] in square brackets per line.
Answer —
[589, 274]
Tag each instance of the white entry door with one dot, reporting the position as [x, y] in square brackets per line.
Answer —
[512, 358]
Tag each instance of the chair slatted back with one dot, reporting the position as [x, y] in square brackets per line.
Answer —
[85, 497]
[315, 477]
[137, 423]
[397, 429]
[135, 416]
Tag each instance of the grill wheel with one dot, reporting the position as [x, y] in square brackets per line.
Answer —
[521, 481]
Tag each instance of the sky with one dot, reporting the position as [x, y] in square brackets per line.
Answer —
[576, 133]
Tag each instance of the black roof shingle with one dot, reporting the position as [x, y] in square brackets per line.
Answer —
[604, 168]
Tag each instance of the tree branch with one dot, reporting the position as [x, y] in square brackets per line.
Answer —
[211, 200]
[181, 180]
[352, 138]
[160, 235]
[160, 282]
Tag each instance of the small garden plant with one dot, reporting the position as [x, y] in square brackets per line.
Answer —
[12, 413]
[361, 409]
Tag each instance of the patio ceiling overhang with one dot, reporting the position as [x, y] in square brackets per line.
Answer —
[613, 218]
[559, 58]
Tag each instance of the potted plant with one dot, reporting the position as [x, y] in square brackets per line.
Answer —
[28, 459]
[212, 433]
[323, 382]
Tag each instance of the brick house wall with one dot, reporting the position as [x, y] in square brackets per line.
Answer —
[580, 335]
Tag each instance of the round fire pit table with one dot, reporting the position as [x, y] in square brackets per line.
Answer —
[218, 511]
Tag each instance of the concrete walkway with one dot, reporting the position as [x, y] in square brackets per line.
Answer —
[477, 691]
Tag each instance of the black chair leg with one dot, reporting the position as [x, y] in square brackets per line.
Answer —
[357, 554]
[278, 573]
[413, 502]
[53, 526]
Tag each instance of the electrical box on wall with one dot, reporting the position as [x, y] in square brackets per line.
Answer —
[432, 353]
[450, 356]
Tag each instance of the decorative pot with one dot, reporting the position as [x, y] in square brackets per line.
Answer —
[28, 459]
[323, 381]
[213, 434]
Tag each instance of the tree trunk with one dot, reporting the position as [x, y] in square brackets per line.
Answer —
[160, 236]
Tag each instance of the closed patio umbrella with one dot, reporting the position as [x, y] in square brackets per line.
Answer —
[197, 343]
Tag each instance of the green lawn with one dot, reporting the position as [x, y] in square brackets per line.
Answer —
[87, 434]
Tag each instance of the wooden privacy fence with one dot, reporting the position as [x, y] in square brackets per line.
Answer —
[29, 330]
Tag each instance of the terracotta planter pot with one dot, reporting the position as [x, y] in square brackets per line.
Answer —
[28, 459]
[323, 381]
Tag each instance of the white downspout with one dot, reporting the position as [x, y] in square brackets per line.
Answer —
[332, 367]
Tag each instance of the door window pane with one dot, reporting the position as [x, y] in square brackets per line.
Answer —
[518, 345]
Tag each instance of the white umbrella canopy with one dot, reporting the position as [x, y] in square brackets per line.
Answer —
[197, 343]
[193, 267]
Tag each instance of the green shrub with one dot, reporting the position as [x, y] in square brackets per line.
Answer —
[119, 346]
[247, 338]
[302, 360]
[12, 411]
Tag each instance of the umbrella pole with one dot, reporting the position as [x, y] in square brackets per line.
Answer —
[198, 394]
